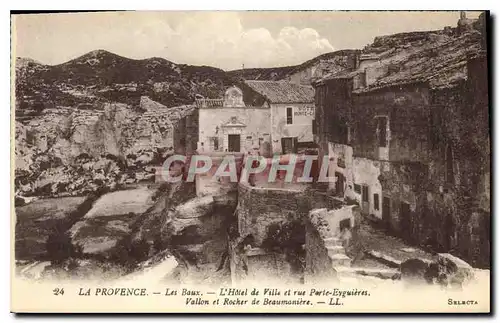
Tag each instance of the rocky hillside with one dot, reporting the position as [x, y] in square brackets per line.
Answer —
[280, 73]
[100, 76]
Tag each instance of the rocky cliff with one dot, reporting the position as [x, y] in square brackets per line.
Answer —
[68, 150]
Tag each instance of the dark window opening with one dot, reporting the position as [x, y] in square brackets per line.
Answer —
[216, 143]
[343, 134]
[365, 193]
[314, 127]
[357, 188]
[234, 143]
[289, 145]
[339, 130]
[339, 184]
[376, 202]
[341, 162]
[345, 224]
[386, 211]
[382, 131]
[405, 220]
[289, 117]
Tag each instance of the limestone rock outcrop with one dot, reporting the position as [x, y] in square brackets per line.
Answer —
[65, 146]
[197, 230]
[445, 270]
[110, 220]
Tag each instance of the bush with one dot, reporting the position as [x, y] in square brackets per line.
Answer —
[288, 235]
[60, 248]
[288, 238]
[130, 252]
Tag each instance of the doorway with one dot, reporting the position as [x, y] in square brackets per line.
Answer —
[406, 220]
[365, 202]
[386, 212]
[289, 145]
[234, 142]
[339, 184]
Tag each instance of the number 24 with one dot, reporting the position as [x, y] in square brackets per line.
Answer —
[58, 291]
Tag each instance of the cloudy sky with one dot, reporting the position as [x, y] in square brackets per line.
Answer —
[221, 39]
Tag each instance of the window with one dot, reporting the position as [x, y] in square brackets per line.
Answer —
[216, 143]
[345, 224]
[365, 193]
[289, 117]
[314, 127]
[339, 184]
[382, 131]
[343, 131]
[376, 202]
[357, 188]
[341, 161]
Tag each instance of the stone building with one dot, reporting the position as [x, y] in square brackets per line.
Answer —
[409, 141]
[279, 120]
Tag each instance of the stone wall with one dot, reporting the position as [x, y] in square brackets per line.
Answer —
[432, 178]
[258, 208]
[407, 109]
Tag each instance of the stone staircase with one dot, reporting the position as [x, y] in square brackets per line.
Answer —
[336, 252]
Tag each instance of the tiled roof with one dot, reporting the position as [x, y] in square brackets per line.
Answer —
[282, 91]
[439, 60]
[442, 65]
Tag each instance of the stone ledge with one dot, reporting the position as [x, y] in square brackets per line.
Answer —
[372, 272]
[255, 252]
[385, 259]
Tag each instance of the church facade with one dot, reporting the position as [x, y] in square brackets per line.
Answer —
[280, 123]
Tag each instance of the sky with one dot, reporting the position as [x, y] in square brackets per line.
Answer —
[224, 39]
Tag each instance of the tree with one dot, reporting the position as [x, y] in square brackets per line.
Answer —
[60, 248]
[287, 237]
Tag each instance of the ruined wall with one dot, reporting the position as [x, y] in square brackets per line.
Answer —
[258, 208]
[333, 101]
[326, 243]
[407, 131]
[341, 61]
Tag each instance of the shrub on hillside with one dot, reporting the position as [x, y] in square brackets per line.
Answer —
[287, 237]
[60, 248]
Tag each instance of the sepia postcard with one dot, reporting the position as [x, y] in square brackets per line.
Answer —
[250, 162]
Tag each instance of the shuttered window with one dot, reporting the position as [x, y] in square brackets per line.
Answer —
[289, 117]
